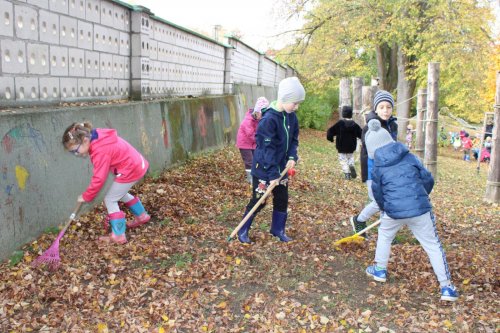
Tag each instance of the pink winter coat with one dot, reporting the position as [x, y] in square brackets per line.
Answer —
[246, 133]
[110, 153]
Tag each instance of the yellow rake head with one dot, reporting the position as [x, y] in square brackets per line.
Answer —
[354, 239]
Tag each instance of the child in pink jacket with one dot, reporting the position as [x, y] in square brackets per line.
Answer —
[245, 140]
[110, 154]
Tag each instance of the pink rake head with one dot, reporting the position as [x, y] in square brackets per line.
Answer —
[51, 256]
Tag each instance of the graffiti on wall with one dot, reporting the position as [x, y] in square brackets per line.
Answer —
[202, 121]
[164, 125]
[21, 136]
[21, 175]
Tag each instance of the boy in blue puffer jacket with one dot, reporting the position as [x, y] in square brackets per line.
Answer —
[401, 188]
[277, 140]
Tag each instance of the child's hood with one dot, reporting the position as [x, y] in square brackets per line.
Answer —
[105, 136]
[349, 125]
[273, 105]
[390, 154]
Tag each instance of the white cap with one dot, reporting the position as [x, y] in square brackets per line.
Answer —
[290, 90]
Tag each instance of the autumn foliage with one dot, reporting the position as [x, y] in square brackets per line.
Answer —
[179, 274]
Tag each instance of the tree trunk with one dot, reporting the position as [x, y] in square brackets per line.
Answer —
[387, 68]
[430, 154]
[493, 183]
[406, 88]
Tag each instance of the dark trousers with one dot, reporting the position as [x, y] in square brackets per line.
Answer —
[247, 157]
[280, 195]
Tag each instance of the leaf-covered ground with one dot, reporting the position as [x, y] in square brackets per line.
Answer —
[180, 274]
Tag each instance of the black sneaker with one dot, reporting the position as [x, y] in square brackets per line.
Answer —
[353, 171]
[347, 176]
[357, 226]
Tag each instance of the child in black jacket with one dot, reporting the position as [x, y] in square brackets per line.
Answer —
[346, 131]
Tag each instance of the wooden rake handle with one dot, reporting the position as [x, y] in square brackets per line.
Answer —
[254, 208]
[71, 218]
[373, 225]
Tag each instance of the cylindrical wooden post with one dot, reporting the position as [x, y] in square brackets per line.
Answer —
[420, 130]
[430, 154]
[344, 94]
[357, 99]
[367, 101]
[493, 182]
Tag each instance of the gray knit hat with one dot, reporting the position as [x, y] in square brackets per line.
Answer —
[376, 137]
[290, 90]
[382, 96]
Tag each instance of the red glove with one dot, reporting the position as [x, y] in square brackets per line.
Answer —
[291, 172]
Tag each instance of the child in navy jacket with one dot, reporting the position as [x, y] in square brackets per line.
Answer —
[277, 139]
[401, 188]
[346, 131]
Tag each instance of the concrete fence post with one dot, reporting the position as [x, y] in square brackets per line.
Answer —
[260, 71]
[139, 53]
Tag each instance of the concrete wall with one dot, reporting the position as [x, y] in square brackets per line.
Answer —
[86, 50]
[39, 181]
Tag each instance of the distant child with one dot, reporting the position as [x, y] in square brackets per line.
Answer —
[487, 144]
[383, 104]
[109, 154]
[245, 140]
[346, 131]
[467, 144]
[457, 142]
[409, 136]
[277, 142]
[401, 187]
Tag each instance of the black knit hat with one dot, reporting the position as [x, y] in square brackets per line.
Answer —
[346, 111]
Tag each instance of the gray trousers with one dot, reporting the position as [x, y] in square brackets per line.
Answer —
[424, 229]
[371, 208]
[345, 161]
[117, 192]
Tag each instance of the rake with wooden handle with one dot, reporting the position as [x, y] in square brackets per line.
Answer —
[356, 238]
[51, 256]
[254, 208]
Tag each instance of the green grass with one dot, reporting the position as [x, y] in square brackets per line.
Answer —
[16, 258]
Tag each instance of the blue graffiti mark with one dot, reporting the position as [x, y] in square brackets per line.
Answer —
[227, 117]
[8, 189]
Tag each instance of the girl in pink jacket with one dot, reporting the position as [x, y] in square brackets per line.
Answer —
[110, 154]
[245, 140]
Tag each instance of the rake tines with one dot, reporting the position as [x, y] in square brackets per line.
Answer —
[51, 256]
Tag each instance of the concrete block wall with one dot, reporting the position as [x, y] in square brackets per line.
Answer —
[55, 51]
[269, 72]
[244, 64]
[183, 63]
[58, 50]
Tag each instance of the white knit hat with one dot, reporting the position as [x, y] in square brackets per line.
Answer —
[290, 90]
[376, 137]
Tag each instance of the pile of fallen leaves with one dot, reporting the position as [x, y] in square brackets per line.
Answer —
[179, 273]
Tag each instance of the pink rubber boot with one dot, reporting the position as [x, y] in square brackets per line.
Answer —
[118, 227]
